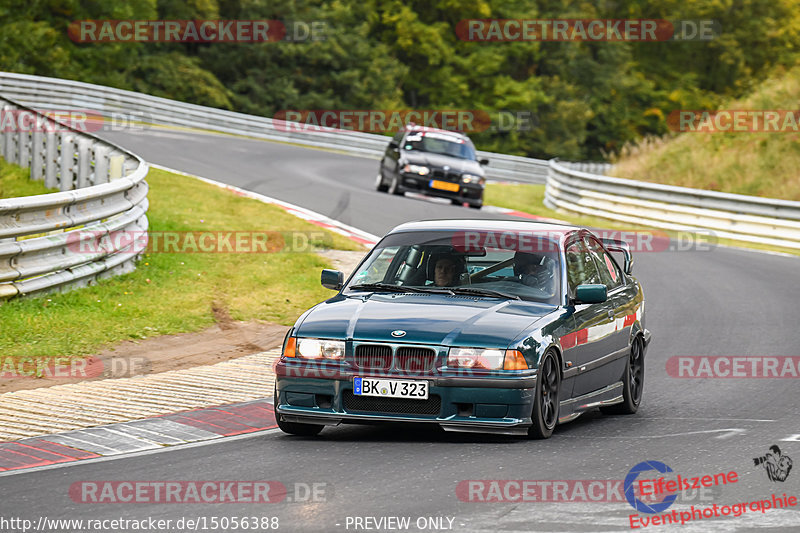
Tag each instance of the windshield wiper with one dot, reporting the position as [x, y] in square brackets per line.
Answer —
[382, 287]
[397, 288]
[484, 292]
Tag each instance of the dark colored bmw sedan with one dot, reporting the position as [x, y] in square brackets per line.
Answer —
[485, 326]
[433, 162]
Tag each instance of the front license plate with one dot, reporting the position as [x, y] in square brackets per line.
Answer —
[444, 185]
[391, 388]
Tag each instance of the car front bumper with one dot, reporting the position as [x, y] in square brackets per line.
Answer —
[471, 404]
[467, 192]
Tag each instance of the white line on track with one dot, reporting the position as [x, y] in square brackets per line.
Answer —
[728, 432]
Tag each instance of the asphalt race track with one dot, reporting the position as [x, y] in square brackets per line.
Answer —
[720, 302]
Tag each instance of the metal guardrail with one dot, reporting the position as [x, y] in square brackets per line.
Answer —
[53, 93]
[732, 216]
[575, 187]
[43, 239]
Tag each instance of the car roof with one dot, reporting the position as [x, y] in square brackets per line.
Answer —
[426, 129]
[467, 224]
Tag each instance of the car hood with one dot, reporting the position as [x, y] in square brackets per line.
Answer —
[426, 319]
[439, 161]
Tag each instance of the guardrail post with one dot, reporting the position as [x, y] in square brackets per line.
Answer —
[50, 160]
[8, 137]
[3, 131]
[67, 157]
[23, 149]
[115, 166]
[84, 163]
[100, 164]
[37, 145]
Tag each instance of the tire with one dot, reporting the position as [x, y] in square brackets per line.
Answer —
[545, 399]
[476, 206]
[456, 202]
[379, 185]
[393, 188]
[295, 428]
[633, 385]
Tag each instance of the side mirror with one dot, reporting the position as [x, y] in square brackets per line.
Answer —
[591, 293]
[332, 279]
[483, 162]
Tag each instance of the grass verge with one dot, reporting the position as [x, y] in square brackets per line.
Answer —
[760, 164]
[530, 199]
[15, 181]
[175, 292]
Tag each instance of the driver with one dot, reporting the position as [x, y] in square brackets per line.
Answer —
[533, 270]
[445, 271]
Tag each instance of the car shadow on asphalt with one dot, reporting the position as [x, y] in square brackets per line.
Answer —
[589, 422]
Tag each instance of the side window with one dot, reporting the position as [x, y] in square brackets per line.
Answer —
[610, 274]
[580, 266]
[375, 270]
[397, 139]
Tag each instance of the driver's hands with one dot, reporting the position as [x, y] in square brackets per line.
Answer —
[541, 277]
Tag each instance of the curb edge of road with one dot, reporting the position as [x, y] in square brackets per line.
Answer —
[182, 429]
[354, 234]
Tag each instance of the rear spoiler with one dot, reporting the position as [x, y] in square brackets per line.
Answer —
[615, 245]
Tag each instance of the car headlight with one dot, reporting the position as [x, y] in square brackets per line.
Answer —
[486, 359]
[417, 169]
[320, 349]
[472, 178]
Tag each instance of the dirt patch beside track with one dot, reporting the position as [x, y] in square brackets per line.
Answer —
[226, 340]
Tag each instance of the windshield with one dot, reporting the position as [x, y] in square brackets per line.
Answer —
[440, 143]
[473, 263]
